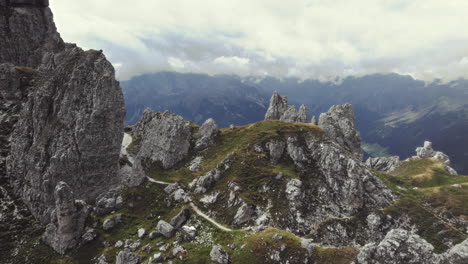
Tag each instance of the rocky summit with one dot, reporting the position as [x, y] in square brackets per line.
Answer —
[78, 187]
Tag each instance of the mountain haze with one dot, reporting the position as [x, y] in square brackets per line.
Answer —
[394, 113]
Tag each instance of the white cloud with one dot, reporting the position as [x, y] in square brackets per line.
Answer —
[231, 61]
[176, 63]
[316, 38]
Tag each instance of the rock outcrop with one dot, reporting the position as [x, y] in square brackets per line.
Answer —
[218, 255]
[426, 151]
[61, 116]
[68, 220]
[339, 124]
[279, 109]
[165, 138]
[385, 164]
[402, 246]
[206, 134]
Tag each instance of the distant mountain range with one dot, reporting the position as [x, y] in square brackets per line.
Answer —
[394, 113]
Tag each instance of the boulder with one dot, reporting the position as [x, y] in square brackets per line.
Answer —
[181, 218]
[165, 139]
[218, 255]
[426, 151]
[165, 229]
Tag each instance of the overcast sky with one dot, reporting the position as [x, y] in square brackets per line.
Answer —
[304, 38]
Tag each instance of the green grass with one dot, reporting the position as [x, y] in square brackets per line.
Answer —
[344, 255]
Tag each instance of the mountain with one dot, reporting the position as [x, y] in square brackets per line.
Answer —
[394, 113]
[196, 97]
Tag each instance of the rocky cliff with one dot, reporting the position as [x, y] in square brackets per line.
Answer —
[61, 115]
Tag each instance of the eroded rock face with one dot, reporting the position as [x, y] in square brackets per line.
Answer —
[339, 124]
[70, 129]
[165, 138]
[385, 164]
[206, 135]
[61, 116]
[279, 109]
[127, 257]
[27, 34]
[68, 220]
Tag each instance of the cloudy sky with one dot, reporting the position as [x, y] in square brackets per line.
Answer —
[304, 38]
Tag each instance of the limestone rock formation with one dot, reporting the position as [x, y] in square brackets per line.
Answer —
[206, 135]
[165, 138]
[426, 151]
[203, 183]
[339, 124]
[68, 221]
[402, 246]
[28, 32]
[61, 115]
[385, 164]
[279, 109]
[180, 219]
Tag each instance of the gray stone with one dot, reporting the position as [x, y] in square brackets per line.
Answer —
[119, 244]
[68, 220]
[398, 246]
[88, 236]
[458, 254]
[195, 164]
[218, 255]
[385, 164]
[141, 233]
[203, 183]
[244, 214]
[181, 218]
[279, 109]
[156, 258]
[189, 231]
[172, 188]
[303, 114]
[165, 138]
[177, 250]
[209, 198]
[102, 260]
[165, 229]
[126, 257]
[276, 148]
[206, 134]
[340, 126]
[112, 222]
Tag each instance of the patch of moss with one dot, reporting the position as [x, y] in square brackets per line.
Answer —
[429, 226]
[345, 255]
[26, 69]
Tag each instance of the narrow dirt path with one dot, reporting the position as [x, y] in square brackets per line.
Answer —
[196, 209]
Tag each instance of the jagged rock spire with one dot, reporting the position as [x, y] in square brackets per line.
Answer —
[279, 109]
[339, 124]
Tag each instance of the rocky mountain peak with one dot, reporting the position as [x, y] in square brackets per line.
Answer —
[279, 109]
[339, 123]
